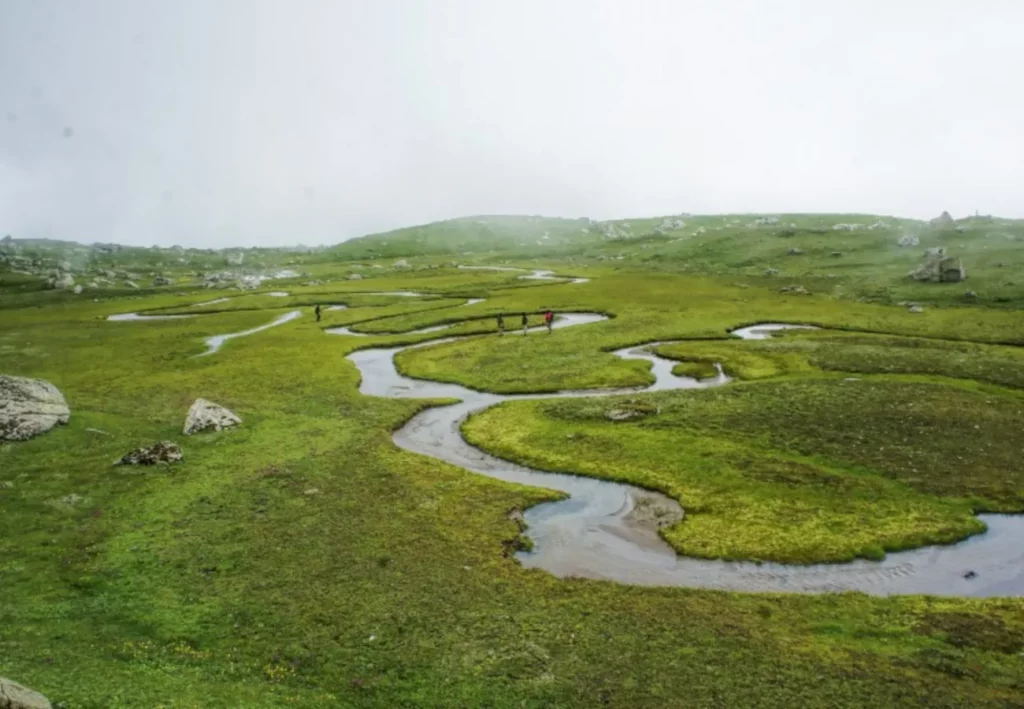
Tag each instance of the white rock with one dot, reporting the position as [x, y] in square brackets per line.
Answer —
[78, 290]
[29, 407]
[15, 696]
[203, 415]
[909, 240]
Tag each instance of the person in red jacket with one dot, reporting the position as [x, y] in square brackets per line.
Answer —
[549, 319]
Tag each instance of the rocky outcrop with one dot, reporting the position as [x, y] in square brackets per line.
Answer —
[205, 415]
[61, 281]
[942, 220]
[29, 407]
[165, 452]
[15, 696]
[939, 267]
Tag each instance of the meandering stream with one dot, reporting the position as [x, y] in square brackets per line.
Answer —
[608, 530]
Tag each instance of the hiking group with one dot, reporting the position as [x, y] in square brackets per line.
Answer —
[549, 319]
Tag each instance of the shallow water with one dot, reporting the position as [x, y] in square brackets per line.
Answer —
[536, 275]
[121, 317]
[217, 341]
[599, 531]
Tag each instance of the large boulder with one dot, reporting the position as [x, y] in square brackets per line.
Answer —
[61, 281]
[15, 696]
[29, 407]
[942, 220]
[162, 452]
[204, 415]
[939, 267]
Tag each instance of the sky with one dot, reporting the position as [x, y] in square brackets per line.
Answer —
[219, 123]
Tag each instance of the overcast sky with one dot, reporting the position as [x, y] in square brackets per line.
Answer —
[262, 122]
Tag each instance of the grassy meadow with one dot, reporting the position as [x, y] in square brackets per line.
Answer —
[302, 559]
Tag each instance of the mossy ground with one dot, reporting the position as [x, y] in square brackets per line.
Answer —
[302, 560]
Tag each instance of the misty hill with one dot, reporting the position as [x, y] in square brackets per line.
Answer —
[472, 235]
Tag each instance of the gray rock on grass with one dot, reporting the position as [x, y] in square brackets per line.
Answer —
[162, 452]
[939, 267]
[204, 415]
[16, 696]
[29, 407]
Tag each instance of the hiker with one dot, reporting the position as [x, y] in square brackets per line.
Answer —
[316, 311]
[501, 324]
[549, 319]
[526, 323]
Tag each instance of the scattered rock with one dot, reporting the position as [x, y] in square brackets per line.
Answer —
[938, 267]
[836, 253]
[970, 295]
[29, 407]
[771, 271]
[98, 431]
[915, 309]
[163, 452]
[204, 415]
[162, 281]
[794, 290]
[401, 263]
[355, 276]
[132, 284]
[631, 410]
[234, 258]
[794, 251]
[764, 221]
[909, 240]
[77, 290]
[61, 281]
[15, 696]
[943, 219]
[311, 491]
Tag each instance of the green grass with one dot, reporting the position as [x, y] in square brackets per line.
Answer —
[224, 582]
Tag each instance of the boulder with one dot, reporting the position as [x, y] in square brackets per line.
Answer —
[204, 415]
[162, 281]
[61, 281]
[771, 271]
[29, 407]
[915, 309]
[355, 277]
[794, 290]
[15, 696]
[131, 284]
[909, 240]
[938, 267]
[942, 220]
[77, 290]
[401, 263]
[163, 452]
[794, 251]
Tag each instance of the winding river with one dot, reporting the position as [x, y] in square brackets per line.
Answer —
[609, 530]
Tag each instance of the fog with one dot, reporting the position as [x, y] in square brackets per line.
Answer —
[233, 122]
